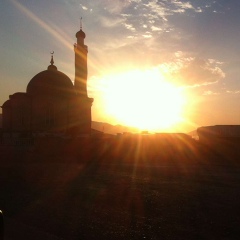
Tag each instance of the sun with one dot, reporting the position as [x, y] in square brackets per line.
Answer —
[143, 99]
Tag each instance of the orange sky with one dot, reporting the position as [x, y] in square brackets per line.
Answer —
[192, 46]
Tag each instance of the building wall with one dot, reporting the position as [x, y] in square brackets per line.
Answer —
[48, 114]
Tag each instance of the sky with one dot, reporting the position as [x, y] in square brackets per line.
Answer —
[194, 45]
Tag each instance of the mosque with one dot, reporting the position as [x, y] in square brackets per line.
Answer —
[52, 103]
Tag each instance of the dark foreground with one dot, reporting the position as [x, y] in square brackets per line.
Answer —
[48, 196]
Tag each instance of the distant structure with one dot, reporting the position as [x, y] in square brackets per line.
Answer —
[219, 132]
[52, 103]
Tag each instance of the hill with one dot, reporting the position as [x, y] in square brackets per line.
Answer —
[112, 129]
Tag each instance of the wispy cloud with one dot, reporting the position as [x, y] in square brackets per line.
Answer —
[129, 27]
[147, 35]
[110, 21]
[233, 92]
[182, 6]
[154, 28]
[83, 7]
[192, 71]
[208, 93]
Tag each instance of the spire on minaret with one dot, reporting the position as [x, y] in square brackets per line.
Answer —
[80, 35]
[80, 23]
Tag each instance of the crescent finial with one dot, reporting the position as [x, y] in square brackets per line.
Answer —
[52, 61]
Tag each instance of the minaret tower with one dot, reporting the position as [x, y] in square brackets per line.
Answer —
[83, 103]
[81, 51]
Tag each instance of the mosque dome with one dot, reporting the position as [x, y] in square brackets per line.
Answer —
[6, 104]
[51, 82]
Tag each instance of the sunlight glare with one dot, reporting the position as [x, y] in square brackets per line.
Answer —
[143, 99]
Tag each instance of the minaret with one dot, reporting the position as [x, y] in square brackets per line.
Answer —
[83, 103]
[81, 52]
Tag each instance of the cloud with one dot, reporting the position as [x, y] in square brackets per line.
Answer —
[110, 21]
[129, 27]
[116, 6]
[208, 93]
[140, 15]
[147, 28]
[83, 7]
[147, 35]
[183, 5]
[167, 8]
[233, 92]
[154, 28]
[158, 8]
[192, 71]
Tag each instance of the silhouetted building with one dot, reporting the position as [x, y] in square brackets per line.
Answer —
[52, 103]
[219, 132]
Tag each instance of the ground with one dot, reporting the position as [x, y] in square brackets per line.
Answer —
[43, 197]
